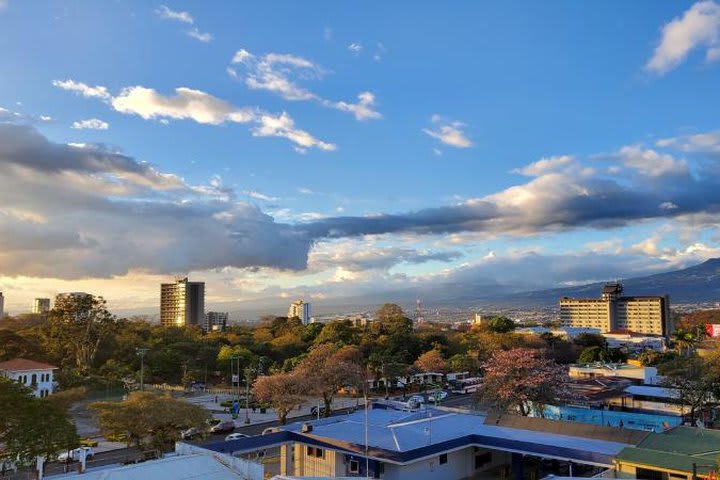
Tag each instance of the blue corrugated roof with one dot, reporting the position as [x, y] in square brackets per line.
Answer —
[404, 437]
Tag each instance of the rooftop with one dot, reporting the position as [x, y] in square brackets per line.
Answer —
[18, 364]
[675, 449]
[647, 391]
[403, 437]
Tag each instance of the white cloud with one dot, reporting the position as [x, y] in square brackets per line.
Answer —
[260, 196]
[545, 165]
[708, 142]
[284, 126]
[167, 14]
[279, 73]
[449, 133]
[363, 109]
[3, 5]
[198, 35]
[83, 89]
[698, 27]
[668, 206]
[305, 191]
[355, 47]
[202, 108]
[652, 163]
[90, 124]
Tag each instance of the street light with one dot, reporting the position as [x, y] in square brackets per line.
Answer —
[141, 353]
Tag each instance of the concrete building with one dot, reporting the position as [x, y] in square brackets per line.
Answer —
[182, 303]
[434, 444]
[639, 374]
[216, 321]
[301, 310]
[2, 306]
[35, 375]
[41, 305]
[615, 312]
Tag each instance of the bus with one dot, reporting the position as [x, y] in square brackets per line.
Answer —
[466, 385]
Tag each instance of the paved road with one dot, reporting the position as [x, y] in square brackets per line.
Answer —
[111, 457]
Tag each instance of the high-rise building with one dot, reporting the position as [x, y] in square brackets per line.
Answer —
[41, 305]
[216, 321]
[2, 306]
[613, 312]
[301, 310]
[182, 303]
[61, 297]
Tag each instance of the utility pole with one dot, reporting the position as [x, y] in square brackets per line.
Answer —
[248, 374]
[141, 353]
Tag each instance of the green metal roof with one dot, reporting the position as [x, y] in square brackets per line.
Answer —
[676, 449]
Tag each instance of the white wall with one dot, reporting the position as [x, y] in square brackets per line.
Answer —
[43, 380]
[460, 465]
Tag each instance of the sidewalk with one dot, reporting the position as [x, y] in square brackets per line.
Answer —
[208, 401]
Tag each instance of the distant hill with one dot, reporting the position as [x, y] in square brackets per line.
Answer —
[696, 284]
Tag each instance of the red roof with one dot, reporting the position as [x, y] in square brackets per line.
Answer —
[25, 364]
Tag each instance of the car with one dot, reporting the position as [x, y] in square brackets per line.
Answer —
[235, 436]
[314, 410]
[270, 430]
[417, 399]
[75, 454]
[189, 434]
[223, 427]
[437, 395]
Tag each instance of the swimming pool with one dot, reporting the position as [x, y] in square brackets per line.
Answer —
[613, 418]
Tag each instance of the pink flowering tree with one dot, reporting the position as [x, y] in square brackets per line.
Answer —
[522, 380]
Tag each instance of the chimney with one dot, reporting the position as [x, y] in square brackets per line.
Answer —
[306, 428]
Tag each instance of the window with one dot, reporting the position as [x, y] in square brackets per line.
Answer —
[443, 459]
[647, 474]
[354, 466]
[315, 452]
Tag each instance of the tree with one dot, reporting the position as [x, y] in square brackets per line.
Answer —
[326, 369]
[76, 327]
[590, 340]
[431, 361]
[694, 381]
[522, 380]
[148, 419]
[684, 341]
[501, 325]
[463, 362]
[339, 331]
[602, 354]
[281, 391]
[31, 427]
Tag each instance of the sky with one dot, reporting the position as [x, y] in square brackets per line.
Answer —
[280, 150]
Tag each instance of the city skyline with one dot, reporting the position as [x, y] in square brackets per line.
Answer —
[273, 152]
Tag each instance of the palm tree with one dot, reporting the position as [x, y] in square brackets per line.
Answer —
[684, 341]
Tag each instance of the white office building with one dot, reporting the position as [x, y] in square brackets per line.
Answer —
[41, 305]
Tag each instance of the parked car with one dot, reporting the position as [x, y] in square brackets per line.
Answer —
[235, 436]
[189, 434]
[223, 427]
[74, 455]
[314, 410]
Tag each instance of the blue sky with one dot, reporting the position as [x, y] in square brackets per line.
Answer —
[308, 141]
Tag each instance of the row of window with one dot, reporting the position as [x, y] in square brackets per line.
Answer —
[44, 377]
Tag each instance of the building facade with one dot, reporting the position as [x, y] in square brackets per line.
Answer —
[614, 312]
[36, 376]
[301, 310]
[41, 305]
[182, 303]
[216, 321]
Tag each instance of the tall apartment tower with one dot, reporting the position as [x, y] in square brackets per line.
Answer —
[182, 303]
[41, 305]
[300, 309]
[612, 311]
[2, 306]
